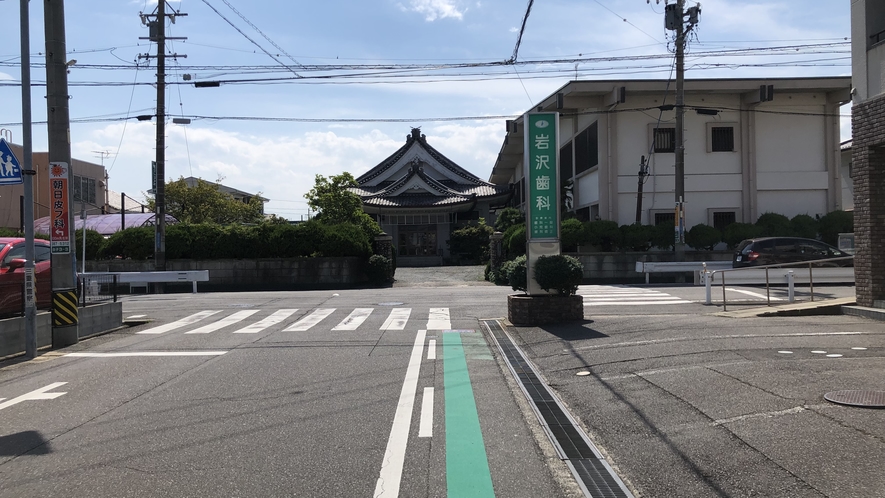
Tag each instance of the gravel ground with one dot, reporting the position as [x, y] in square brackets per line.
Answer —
[440, 276]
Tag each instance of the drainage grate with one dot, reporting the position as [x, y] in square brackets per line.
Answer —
[868, 399]
[595, 476]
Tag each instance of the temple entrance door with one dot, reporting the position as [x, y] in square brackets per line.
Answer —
[417, 240]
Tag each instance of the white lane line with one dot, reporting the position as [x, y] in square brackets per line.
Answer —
[397, 319]
[425, 425]
[439, 319]
[754, 294]
[35, 395]
[184, 322]
[239, 316]
[431, 349]
[387, 485]
[146, 353]
[649, 342]
[637, 303]
[354, 319]
[134, 316]
[275, 318]
[310, 320]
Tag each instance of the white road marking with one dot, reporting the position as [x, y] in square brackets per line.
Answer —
[602, 295]
[431, 349]
[397, 319]
[239, 316]
[277, 317]
[711, 337]
[35, 395]
[188, 320]
[134, 316]
[146, 353]
[425, 425]
[438, 319]
[387, 485]
[354, 319]
[754, 294]
[310, 320]
[636, 303]
[790, 411]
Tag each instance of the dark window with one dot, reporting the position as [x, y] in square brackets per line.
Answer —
[17, 252]
[469, 216]
[587, 149]
[669, 218]
[42, 253]
[722, 219]
[665, 140]
[583, 213]
[565, 163]
[722, 138]
[785, 246]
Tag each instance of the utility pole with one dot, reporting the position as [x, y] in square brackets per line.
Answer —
[643, 172]
[156, 23]
[65, 320]
[28, 184]
[675, 20]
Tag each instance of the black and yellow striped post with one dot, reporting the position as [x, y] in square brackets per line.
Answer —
[65, 320]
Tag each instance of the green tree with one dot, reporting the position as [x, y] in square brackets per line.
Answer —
[508, 217]
[205, 203]
[336, 204]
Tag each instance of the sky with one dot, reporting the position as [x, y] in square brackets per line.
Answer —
[309, 88]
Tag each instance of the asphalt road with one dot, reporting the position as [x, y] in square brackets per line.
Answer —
[682, 402]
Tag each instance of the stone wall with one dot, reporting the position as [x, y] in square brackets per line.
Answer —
[868, 167]
[254, 274]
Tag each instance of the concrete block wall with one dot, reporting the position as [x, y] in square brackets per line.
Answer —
[868, 165]
[94, 320]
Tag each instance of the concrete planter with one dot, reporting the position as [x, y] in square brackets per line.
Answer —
[529, 311]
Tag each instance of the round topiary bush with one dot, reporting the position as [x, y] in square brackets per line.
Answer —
[703, 237]
[560, 273]
[379, 270]
[517, 275]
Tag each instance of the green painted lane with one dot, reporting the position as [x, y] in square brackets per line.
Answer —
[467, 467]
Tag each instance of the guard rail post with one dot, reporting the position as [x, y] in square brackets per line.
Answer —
[811, 281]
[708, 283]
[790, 289]
[724, 306]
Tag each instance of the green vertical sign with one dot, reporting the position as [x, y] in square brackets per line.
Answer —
[542, 175]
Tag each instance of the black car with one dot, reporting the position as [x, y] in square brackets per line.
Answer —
[779, 250]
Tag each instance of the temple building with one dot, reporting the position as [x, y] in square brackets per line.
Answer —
[419, 196]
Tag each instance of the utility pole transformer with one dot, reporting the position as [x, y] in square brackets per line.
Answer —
[157, 33]
[65, 321]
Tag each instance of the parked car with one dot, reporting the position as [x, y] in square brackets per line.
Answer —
[778, 250]
[12, 274]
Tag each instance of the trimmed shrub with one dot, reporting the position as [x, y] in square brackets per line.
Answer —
[834, 223]
[514, 241]
[344, 239]
[664, 236]
[736, 232]
[774, 225]
[379, 270]
[471, 243]
[507, 218]
[636, 237]
[560, 273]
[803, 225]
[703, 237]
[603, 234]
[132, 243]
[572, 234]
[517, 276]
[94, 243]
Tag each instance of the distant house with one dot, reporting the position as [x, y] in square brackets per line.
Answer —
[751, 146]
[419, 196]
[88, 189]
[239, 195]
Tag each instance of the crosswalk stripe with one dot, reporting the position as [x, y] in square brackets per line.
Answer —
[188, 320]
[650, 297]
[275, 318]
[354, 319]
[239, 316]
[310, 320]
[397, 319]
[438, 319]
[635, 303]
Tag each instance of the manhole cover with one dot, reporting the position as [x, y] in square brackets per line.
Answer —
[869, 399]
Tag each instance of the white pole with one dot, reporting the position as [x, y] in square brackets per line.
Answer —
[792, 294]
[708, 283]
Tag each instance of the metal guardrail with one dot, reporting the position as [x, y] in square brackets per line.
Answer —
[789, 276]
[695, 267]
[145, 277]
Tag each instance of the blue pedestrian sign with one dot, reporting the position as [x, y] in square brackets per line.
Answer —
[10, 169]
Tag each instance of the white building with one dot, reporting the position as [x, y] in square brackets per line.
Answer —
[751, 146]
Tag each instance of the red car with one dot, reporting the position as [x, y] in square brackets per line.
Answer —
[12, 274]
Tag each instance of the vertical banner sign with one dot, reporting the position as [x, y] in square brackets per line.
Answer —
[542, 175]
[60, 230]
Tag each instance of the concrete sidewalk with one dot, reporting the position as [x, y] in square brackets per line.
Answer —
[709, 406]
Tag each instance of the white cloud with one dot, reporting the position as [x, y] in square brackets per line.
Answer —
[436, 9]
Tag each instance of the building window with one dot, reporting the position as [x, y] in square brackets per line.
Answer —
[665, 139]
[668, 217]
[587, 149]
[84, 189]
[722, 219]
[565, 163]
[722, 138]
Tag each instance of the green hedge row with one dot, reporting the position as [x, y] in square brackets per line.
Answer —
[208, 241]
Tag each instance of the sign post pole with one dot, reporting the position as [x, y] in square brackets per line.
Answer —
[542, 187]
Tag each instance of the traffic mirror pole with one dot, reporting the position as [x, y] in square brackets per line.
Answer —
[28, 184]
